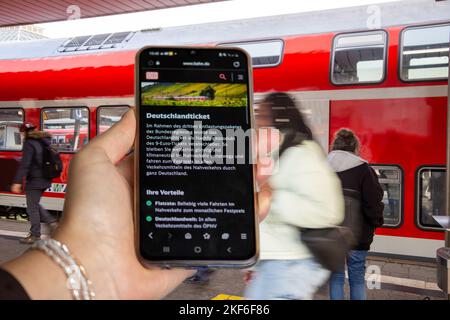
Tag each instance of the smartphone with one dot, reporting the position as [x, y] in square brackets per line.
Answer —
[195, 202]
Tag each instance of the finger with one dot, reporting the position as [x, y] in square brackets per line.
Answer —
[126, 168]
[118, 140]
[264, 203]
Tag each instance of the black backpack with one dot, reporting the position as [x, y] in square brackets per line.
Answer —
[353, 219]
[52, 165]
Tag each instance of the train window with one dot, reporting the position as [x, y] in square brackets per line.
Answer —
[10, 122]
[431, 196]
[391, 180]
[107, 116]
[69, 127]
[359, 58]
[267, 53]
[424, 53]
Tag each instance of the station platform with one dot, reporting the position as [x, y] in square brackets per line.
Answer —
[398, 279]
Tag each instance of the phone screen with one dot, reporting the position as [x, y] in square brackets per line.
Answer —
[196, 186]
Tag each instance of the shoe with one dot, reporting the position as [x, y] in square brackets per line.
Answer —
[196, 280]
[202, 276]
[30, 239]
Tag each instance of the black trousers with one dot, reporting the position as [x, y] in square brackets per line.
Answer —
[37, 213]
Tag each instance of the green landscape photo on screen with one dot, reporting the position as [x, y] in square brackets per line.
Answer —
[194, 94]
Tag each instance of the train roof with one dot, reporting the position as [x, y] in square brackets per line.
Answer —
[336, 20]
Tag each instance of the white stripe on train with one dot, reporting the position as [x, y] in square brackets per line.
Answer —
[403, 246]
[14, 200]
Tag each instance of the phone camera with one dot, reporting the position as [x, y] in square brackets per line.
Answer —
[193, 52]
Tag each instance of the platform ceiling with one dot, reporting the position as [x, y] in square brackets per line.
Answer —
[22, 12]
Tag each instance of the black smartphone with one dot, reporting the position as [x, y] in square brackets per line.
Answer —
[195, 202]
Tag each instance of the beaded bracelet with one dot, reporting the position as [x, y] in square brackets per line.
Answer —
[77, 281]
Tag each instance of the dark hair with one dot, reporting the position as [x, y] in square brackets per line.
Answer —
[27, 127]
[346, 140]
[287, 118]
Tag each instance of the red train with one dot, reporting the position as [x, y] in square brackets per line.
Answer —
[389, 85]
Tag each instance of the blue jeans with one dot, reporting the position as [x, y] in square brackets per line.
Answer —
[356, 265]
[286, 279]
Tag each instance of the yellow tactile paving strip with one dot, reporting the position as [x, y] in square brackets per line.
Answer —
[223, 296]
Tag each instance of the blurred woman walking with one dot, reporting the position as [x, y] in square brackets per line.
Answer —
[306, 193]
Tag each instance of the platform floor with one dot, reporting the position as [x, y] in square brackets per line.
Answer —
[399, 279]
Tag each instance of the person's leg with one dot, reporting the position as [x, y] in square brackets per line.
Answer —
[257, 288]
[356, 264]
[337, 281]
[391, 203]
[397, 207]
[310, 276]
[286, 279]
[45, 216]
[33, 197]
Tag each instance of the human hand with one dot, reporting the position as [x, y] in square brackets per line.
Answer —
[264, 201]
[16, 188]
[264, 168]
[97, 224]
[267, 143]
[248, 276]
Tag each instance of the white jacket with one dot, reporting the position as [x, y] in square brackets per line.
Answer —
[305, 193]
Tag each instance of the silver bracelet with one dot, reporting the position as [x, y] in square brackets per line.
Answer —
[77, 281]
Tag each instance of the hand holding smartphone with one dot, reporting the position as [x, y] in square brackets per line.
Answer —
[194, 177]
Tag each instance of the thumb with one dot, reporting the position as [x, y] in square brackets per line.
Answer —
[118, 140]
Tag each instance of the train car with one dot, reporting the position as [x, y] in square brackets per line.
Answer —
[389, 84]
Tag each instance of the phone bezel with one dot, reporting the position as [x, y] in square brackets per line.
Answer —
[189, 263]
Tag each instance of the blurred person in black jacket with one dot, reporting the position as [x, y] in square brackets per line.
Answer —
[356, 174]
[31, 170]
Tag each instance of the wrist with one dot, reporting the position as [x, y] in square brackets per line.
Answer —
[94, 262]
[41, 278]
